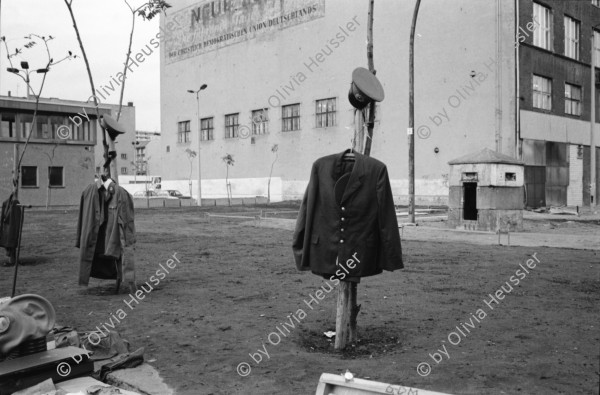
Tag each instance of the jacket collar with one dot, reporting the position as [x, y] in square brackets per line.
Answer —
[356, 175]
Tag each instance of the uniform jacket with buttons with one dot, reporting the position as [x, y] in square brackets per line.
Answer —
[120, 227]
[362, 228]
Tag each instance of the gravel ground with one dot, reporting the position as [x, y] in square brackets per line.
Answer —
[236, 284]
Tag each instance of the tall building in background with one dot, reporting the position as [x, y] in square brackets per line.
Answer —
[278, 73]
[555, 99]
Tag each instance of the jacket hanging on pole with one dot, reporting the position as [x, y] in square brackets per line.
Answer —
[10, 223]
[104, 229]
[358, 231]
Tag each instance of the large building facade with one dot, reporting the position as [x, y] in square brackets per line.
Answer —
[63, 153]
[278, 73]
[555, 100]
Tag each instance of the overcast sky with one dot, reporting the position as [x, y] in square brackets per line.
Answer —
[104, 26]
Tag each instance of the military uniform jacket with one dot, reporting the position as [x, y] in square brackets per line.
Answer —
[362, 228]
[120, 227]
[10, 223]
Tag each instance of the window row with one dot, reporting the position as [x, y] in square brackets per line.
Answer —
[47, 127]
[542, 95]
[325, 116]
[30, 176]
[543, 33]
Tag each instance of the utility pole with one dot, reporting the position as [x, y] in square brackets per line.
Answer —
[411, 117]
[593, 196]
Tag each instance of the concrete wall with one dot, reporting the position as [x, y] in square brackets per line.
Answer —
[457, 79]
[78, 166]
[487, 174]
[575, 188]
[540, 126]
[488, 220]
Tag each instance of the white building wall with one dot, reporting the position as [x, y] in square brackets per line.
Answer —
[277, 67]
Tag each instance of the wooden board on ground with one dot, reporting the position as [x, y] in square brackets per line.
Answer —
[336, 384]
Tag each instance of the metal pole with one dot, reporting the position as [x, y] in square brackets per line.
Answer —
[593, 196]
[411, 117]
[199, 161]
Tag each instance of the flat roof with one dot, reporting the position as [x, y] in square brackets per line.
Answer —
[486, 155]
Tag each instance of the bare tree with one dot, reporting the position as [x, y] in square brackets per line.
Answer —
[191, 155]
[274, 149]
[147, 11]
[229, 161]
[25, 69]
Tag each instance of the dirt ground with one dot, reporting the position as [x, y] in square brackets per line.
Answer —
[236, 285]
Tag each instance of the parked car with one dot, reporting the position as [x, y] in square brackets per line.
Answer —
[177, 194]
[158, 194]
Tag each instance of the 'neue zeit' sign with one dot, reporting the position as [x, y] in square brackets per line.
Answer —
[210, 25]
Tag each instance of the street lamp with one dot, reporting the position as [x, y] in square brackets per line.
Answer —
[202, 87]
[25, 75]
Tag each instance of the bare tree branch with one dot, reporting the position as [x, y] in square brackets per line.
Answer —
[92, 86]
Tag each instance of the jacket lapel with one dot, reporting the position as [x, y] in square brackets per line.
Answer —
[356, 175]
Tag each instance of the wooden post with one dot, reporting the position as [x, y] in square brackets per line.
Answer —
[347, 309]
[16, 171]
[371, 122]
[113, 173]
[342, 318]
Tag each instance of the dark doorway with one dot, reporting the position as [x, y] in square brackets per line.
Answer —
[535, 182]
[470, 201]
[557, 174]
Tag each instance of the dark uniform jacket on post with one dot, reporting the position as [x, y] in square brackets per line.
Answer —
[10, 219]
[359, 231]
[119, 229]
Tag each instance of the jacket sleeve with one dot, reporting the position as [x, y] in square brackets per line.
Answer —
[300, 246]
[127, 217]
[390, 247]
[79, 223]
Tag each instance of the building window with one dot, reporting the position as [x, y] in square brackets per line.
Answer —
[8, 126]
[542, 36]
[55, 176]
[207, 129]
[183, 132]
[260, 121]
[123, 170]
[26, 121]
[571, 38]
[168, 148]
[596, 3]
[572, 99]
[29, 176]
[290, 117]
[124, 156]
[325, 113]
[231, 125]
[542, 92]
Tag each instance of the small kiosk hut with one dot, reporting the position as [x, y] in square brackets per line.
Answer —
[486, 192]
